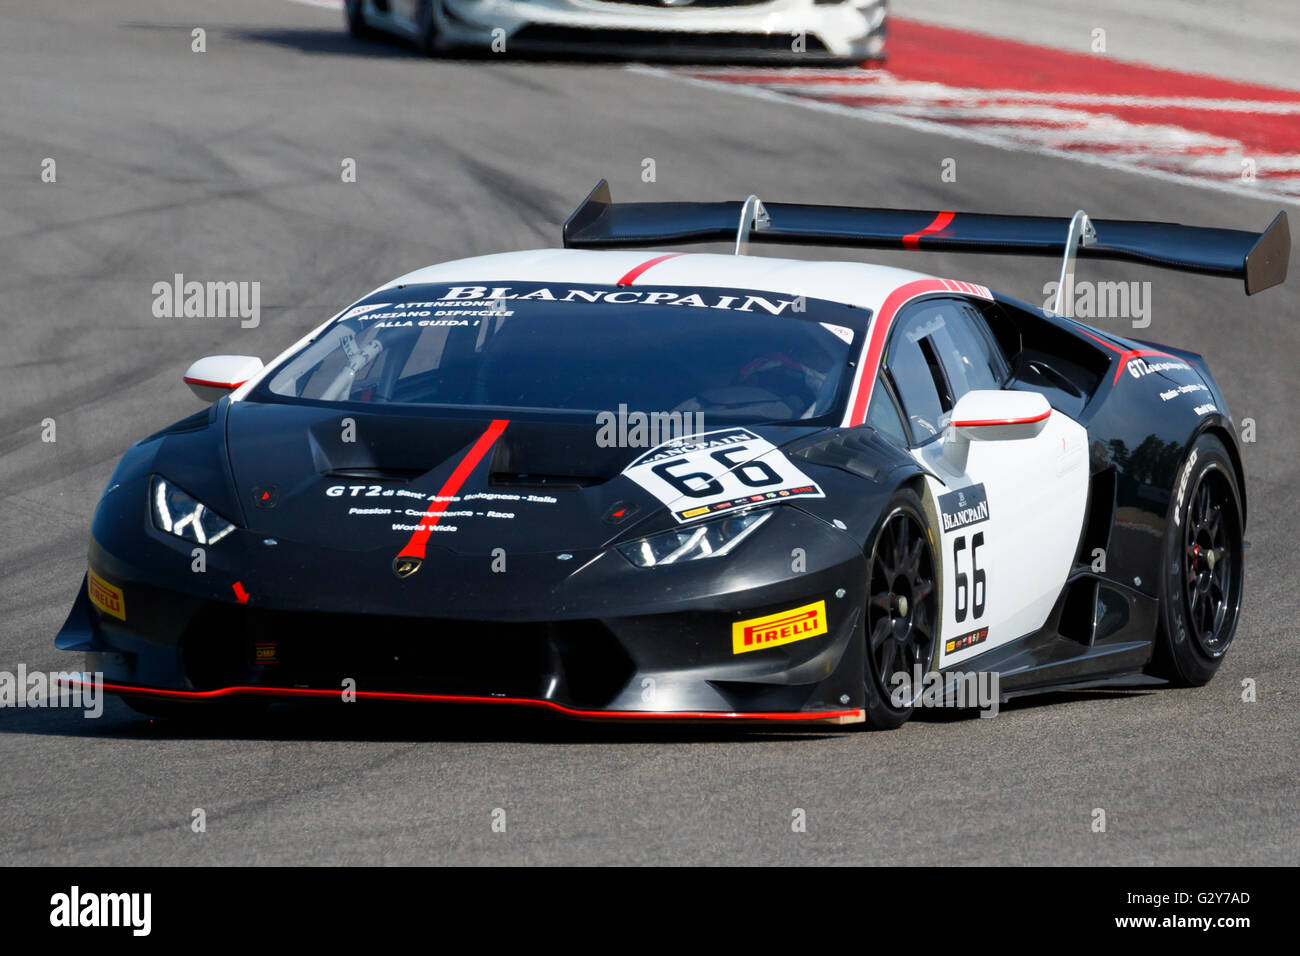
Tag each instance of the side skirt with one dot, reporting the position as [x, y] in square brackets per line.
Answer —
[1117, 643]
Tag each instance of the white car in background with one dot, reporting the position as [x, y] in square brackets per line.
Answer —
[848, 31]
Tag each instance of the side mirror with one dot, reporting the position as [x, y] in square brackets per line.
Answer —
[992, 416]
[210, 378]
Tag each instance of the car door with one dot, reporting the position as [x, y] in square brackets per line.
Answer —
[1009, 521]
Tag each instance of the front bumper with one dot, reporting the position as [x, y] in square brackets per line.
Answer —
[848, 30]
[647, 663]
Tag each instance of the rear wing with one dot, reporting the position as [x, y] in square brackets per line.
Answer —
[1260, 258]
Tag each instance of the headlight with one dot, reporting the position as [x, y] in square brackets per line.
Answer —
[707, 540]
[177, 513]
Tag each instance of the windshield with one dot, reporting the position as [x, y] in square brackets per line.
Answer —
[737, 355]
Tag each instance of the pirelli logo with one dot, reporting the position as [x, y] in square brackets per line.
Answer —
[785, 627]
[105, 597]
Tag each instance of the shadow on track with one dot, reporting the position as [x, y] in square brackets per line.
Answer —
[339, 42]
[387, 722]
[951, 715]
[395, 722]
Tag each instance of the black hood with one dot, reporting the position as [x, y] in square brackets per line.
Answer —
[353, 481]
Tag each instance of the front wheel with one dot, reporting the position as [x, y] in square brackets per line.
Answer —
[1202, 572]
[902, 617]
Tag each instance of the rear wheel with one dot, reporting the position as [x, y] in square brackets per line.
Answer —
[902, 611]
[1202, 574]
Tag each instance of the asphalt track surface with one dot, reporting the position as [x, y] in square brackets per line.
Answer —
[226, 165]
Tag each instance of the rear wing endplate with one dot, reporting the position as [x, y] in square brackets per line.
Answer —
[1258, 258]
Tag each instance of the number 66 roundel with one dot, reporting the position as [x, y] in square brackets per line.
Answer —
[717, 471]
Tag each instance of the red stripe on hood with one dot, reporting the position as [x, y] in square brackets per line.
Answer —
[420, 538]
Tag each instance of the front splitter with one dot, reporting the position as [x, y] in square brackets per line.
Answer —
[846, 716]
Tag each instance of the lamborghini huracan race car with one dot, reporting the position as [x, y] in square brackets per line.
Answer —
[846, 31]
[620, 484]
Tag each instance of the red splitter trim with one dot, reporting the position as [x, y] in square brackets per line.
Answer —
[319, 693]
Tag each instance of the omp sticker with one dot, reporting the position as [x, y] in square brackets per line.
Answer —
[840, 332]
[363, 309]
[104, 596]
[784, 627]
[713, 472]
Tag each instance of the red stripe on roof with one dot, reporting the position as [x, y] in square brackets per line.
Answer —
[636, 273]
[880, 331]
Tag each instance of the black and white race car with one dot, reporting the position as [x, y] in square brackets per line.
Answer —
[620, 484]
[843, 31]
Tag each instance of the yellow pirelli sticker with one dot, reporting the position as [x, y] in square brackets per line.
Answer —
[105, 597]
[784, 627]
[695, 512]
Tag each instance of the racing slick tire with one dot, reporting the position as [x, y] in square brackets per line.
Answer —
[1202, 570]
[902, 613]
[355, 12]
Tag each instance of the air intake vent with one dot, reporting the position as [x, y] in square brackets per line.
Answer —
[397, 476]
[1079, 611]
[1101, 514]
